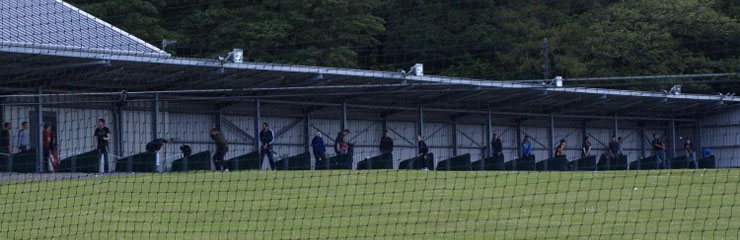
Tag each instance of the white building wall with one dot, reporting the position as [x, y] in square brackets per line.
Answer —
[721, 133]
[438, 137]
[475, 146]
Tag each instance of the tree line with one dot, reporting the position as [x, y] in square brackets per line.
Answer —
[490, 39]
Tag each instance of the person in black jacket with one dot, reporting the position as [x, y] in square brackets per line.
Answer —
[498, 148]
[586, 147]
[319, 149]
[186, 150]
[155, 145]
[266, 138]
[5, 139]
[386, 143]
[221, 149]
[423, 152]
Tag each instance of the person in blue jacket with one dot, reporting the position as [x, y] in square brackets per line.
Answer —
[526, 147]
[319, 148]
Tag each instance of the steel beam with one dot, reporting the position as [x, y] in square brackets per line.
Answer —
[40, 132]
[642, 141]
[551, 137]
[306, 133]
[287, 128]
[519, 138]
[420, 123]
[454, 137]
[344, 117]
[616, 126]
[672, 147]
[698, 139]
[218, 117]
[257, 120]
[489, 137]
[155, 116]
[119, 129]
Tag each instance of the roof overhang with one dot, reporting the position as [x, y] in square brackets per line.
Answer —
[74, 71]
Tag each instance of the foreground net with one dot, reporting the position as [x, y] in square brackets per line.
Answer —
[696, 204]
[158, 128]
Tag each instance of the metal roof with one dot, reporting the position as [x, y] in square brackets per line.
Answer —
[62, 71]
[95, 59]
[56, 24]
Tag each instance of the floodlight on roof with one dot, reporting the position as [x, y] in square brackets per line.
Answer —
[558, 81]
[417, 70]
[675, 90]
[235, 56]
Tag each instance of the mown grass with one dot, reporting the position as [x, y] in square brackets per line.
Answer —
[675, 204]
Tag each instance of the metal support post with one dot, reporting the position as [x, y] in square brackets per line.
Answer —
[40, 132]
[155, 116]
[257, 120]
[489, 137]
[454, 137]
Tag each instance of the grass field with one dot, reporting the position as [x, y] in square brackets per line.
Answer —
[702, 204]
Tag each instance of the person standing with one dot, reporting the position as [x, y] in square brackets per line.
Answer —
[560, 150]
[586, 148]
[23, 135]
[526, 146]
[386, 143]
[222, 147]
[266, 138]
[659, 149]
[690, 152]
[102, 137]
[498, 148]
[5, 139]
[423, 154]
[319, 149]
[47, 147]
[614, 147]
[340, 143]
